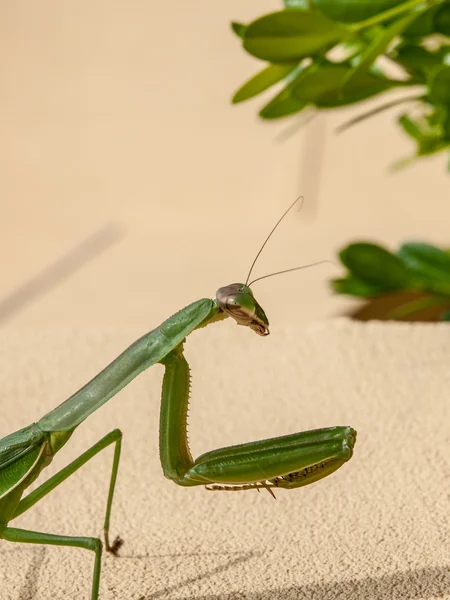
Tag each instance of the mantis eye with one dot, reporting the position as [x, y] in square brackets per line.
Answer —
[238, 301]
[241, 306]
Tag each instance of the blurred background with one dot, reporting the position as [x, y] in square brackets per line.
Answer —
[131, 186]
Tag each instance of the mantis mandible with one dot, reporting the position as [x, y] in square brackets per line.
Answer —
[286, 462]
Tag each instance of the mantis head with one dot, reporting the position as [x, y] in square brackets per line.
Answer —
[237, 300]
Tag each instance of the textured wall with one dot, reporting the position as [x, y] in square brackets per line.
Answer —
[378, 528]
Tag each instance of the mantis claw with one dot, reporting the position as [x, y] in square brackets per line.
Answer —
[115, 547]
[269, 489]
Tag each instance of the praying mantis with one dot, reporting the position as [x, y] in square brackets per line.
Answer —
[286, 462]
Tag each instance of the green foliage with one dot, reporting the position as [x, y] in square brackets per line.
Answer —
[263, 80]
[320, 85]
[353, 12]
[297, 42]
[238, 28]
[375, 265]
[292, 34]
[430, 264]
[417, 267]
[284, 103]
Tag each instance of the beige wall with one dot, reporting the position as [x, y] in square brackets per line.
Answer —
[119, 112]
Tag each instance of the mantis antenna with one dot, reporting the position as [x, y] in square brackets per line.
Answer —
[270, 235]
[265, 242]
[289, 270]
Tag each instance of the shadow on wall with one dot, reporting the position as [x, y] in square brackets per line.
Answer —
[389, 307]
[431, 582]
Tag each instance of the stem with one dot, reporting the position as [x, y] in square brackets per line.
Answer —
[392, 12]
[376, 111]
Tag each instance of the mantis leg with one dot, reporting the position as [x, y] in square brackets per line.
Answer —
[33, 537]
[288, 462]
[114, 436]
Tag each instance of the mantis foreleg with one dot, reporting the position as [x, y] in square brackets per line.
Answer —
[176, 459]
[284, 462]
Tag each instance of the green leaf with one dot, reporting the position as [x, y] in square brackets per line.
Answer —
[430, 263]
[352, 11]
[439, 83]
[352, 48]
[430, 138]
[432, 146]
[411, 127]
[417, 59]
[352, 286]
[426, 259]
[422, 25]
[322, 86]
[262, 81]
[443, 52]
[445, 123]
[284, 103]
[297, 4]
[442, 19]
[445, 316]
[378, 46]
[438, 116]
[416, 266]
[376, 266]
[238, 28]
[438, 121]
[291, 35]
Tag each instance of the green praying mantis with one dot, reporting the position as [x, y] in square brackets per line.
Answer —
[286, 462]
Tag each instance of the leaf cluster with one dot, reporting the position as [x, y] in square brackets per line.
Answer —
[327, 54]
[416, 267]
